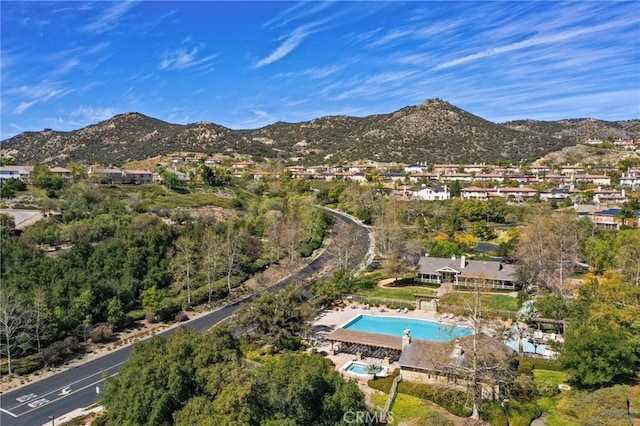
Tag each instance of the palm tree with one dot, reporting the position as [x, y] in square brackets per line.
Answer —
[527, 312]
[374, 369]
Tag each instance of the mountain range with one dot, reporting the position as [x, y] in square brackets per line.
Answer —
[434, 132]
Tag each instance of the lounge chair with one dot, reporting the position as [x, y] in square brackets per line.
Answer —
[405, 310]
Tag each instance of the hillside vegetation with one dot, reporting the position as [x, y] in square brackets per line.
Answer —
[434, 131]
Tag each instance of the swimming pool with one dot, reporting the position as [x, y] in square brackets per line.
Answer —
[395, 326]
[360, 369]
[357, 368]
[528, 347]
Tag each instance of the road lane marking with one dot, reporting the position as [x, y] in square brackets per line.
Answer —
[25, 398]
[67, 395]
[73, 383]
[9, 413]
[65, 390]
[37, 403]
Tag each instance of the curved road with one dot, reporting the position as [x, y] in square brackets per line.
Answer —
[57, 395]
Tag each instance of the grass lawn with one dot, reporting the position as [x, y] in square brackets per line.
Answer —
[500, 302]
[407, 408]
[547, 376]
[555, 417]
[400, 293]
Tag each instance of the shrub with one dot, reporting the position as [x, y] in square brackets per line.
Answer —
[181, 316]
[514, 412]
[151, 317]
[546, 389]
[168, 311]
[453, 401]
[72, 343]
[27, 364]
[101, 333]
[383, 383]
[54, 353]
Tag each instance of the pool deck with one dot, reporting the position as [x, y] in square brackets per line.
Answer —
[330, 321]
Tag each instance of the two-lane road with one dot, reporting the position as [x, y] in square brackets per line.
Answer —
[35, 404]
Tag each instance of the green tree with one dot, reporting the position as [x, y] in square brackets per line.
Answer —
[445, 249]
[594, 356]
[115, 313]
[314, 395]
[627, 249]
[170, 179]
[152, 299]
[276, 318]
[162, 374]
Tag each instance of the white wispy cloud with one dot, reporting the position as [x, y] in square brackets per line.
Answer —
[314, 73]
[296, 12]
[67, 66]
[184, 57]
[89, 114]
[27, 96]
[286, 47]
[110, 17]
[23, 107]
[530, 42]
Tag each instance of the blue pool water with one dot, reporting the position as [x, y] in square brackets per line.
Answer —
[357, 368]
[527, 347]
[420, 329]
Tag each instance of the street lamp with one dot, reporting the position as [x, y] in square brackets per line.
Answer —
[53, 420]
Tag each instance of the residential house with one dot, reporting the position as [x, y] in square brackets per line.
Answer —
[111, 175]
[393, 176]
[631, 178]
[356, 176]
[446, 168]
[484, 177]
[474, 192]
[432, 193]
[555, 194]
[523, 179]
[414, 168]
[451, 364]
[62, 172]
[403, 192]
[569, 169]
[542, 170]
[609, 196]
[243, 165]
[593, 179]
[460, 177]
[423, 177]
[22, 173]
[475, 168]
[467, 273]
[611, 220]
[517, 194]
[137, 176]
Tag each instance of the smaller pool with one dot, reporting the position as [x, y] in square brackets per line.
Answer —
[360, 369]
[357, 368]
[528, 347]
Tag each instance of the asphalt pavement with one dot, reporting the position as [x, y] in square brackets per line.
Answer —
[45, 400]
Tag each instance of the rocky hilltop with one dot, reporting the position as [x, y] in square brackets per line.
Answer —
[434, 131]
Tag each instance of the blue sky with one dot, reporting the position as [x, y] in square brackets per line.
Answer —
[65, 65]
